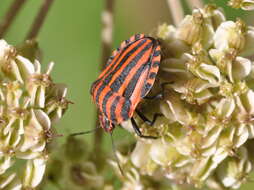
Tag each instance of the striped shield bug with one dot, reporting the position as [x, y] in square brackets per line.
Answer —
[127, 78]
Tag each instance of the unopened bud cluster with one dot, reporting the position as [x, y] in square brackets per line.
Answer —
[207, 128]
[29, 103]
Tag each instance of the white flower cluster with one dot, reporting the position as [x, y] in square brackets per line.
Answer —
[208, 105]
[29, 103]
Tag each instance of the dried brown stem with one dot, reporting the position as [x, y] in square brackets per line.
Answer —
[106, 47]
[10, 16]
[195, 4]
[176, 10]
[39, 19]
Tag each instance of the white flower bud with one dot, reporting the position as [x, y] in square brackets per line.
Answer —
[215, 14]
[230, 35]
[6, 52]
[195, 28]
[166, 32]
[137, 156]
[34, 172]
[6, 180]
[6, 163]
[233, 171]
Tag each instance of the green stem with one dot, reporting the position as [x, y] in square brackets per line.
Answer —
[106, 48]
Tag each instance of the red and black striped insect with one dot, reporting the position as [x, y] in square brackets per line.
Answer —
[127, 78]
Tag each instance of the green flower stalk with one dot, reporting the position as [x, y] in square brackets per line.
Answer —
[207, 106]
[30, 102]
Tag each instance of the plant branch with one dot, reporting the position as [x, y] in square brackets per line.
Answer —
[107, 32]
[10, 16]
[39, 19]
[106, 48]
[195, 4]
[176, 10]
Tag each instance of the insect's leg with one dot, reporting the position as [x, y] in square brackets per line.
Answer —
[146, 120]
[159, 95]
[138, 132]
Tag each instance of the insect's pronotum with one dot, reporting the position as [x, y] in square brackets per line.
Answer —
[127, 78]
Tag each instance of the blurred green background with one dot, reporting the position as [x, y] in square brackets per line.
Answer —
[71, 38]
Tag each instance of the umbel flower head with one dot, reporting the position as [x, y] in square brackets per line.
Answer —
[207, 127]
[29, 104]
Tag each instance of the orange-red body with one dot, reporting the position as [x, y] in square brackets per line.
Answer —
[127, 78]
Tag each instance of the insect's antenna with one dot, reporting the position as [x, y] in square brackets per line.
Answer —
[114, 150]
[85, 132]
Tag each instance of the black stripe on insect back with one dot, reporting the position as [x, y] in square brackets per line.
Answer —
[133, 82]
[99, 92]
[105, 101]
[113, 109]
[95, 83]
[124, 74]
[126, 109]
[109, 75]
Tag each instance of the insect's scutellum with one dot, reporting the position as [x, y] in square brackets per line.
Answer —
[127, 78]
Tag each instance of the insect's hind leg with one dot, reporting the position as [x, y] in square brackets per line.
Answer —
[146, 120]
[138, 132]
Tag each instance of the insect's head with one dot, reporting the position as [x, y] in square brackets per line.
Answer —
[106, 124]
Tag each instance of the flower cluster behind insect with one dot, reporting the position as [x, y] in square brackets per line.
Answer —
[207, 127]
